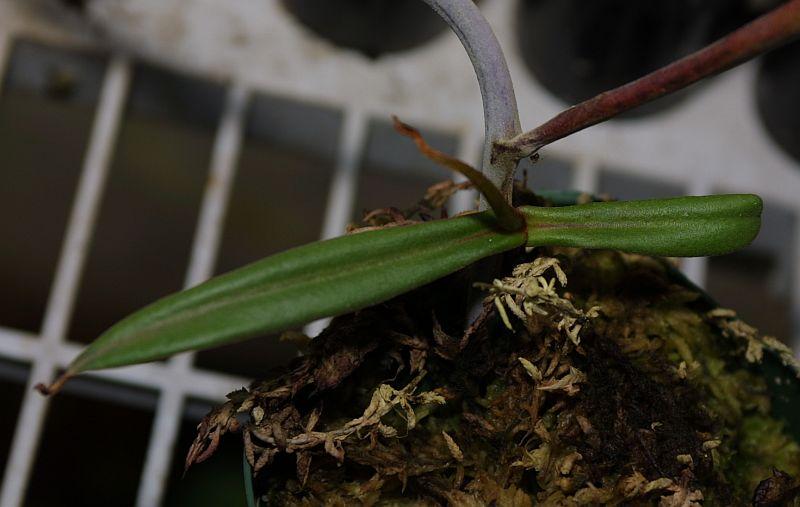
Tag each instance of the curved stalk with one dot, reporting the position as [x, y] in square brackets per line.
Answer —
[499, 103]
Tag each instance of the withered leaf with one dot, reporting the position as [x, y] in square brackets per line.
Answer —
[455, 451]
[303, 461]
[334, 448]
[775, 491]
[340, 365]
[313, 419]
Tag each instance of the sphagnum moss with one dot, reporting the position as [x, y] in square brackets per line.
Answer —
[621, 387]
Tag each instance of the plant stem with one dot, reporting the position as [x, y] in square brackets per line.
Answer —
[499, 103]
[773, 29]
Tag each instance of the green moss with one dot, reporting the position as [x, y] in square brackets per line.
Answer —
[655, 400]
[762, 445]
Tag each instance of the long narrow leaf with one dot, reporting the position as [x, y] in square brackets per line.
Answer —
[297, 286]
[348, 273]
[678, 227]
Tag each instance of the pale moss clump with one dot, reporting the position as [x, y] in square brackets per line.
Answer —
[528, 292]
[734, 328]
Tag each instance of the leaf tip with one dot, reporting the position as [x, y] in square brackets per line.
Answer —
[756, 203]
[55, 386]
[404, 128]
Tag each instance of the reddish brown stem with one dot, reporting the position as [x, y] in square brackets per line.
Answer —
[767, 32]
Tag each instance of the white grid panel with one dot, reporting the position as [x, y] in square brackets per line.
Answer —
[62, 294]
[176, 379]
[644, 149]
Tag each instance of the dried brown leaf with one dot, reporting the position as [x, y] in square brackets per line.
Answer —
[455, 451]
[303, 463]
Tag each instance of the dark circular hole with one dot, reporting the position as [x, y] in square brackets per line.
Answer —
[737, 13]
[577, 49]
[778, 96]
[372, 27]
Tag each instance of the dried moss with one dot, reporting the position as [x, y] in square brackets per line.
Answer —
[653, 398]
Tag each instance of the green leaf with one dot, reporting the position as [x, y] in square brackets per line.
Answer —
[677, 227]
[351, 272]
[297, 286]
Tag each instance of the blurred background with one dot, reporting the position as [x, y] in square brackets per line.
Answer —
[146, 145]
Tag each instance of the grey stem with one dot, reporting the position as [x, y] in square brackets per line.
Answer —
[499, 103]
